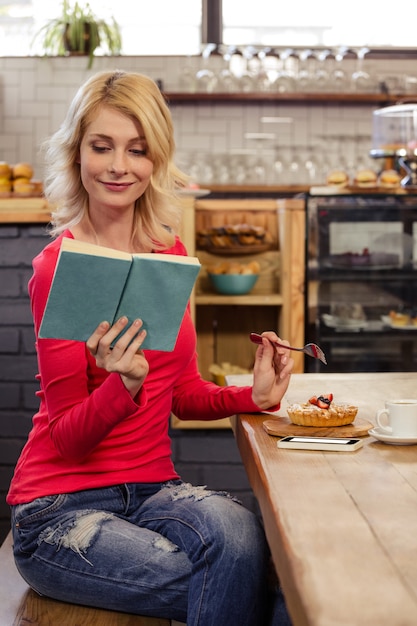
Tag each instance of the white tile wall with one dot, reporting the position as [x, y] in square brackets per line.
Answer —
[35, 93]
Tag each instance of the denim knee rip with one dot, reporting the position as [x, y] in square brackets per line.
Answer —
[187, 490]
[78, 535]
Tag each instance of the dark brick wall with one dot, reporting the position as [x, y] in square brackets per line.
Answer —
[18, 245]
[208, 457]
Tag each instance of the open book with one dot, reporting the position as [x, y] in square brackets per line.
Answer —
[93, 283]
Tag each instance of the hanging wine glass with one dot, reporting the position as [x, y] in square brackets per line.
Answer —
[221, 170]
[237, 63]
[285, 80]
[311, 166]
[187, 78]
[206, 79]
[344, 157]
[323, 69]
[227, 80]
[279, 173]
[259, 164]
[201, 169]
[267, 70]
[361, 80]
[325, 166]
[324, 158]
[295, 167]
[331, 154]
[338, 76]
[238, 165]
[279, 170]
[362, 157]
[247, 79]
[348, 156]
[306, 70]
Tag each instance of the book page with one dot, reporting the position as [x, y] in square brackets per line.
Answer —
[81, 247]
[170, 258]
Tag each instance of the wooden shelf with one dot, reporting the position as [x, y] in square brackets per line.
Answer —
[272, 299]
[276, 301]
[292, 190]
[24, 210]
[300, 97]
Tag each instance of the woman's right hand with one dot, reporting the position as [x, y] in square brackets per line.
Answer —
[125, 357]
[271, 373]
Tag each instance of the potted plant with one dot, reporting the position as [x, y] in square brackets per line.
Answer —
[79, 31]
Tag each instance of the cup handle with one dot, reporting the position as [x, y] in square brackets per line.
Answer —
[383, 425]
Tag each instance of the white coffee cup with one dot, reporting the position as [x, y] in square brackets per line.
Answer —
[399, 418]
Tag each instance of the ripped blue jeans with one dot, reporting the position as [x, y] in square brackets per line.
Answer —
[166, 550]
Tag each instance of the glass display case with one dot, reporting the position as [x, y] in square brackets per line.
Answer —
[361, 281]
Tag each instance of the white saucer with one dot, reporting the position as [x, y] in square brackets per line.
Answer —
[387, 438]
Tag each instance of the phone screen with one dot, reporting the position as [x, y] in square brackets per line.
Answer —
[320, 443]
[325, 440]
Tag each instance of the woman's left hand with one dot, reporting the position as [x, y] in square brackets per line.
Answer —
[271, 372]
[124, 357]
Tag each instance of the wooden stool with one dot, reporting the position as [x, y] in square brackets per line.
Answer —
[20, 605]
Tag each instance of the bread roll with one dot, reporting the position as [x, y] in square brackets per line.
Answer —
[365, 178]
[22, 170]
[23, 187]
[337, 178]
[389, 179]
[234, 267]
[5, 170]
[5, 187]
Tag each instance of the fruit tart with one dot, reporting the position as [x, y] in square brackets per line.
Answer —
[322, 412]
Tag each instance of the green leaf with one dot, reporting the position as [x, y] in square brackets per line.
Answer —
[79, 29]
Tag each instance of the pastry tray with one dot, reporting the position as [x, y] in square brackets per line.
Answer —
[282, 427]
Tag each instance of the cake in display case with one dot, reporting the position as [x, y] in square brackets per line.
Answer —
[394, 134]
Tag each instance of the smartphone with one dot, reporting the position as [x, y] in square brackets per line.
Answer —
[320, 443]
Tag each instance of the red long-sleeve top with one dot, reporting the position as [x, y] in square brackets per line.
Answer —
[89, 432]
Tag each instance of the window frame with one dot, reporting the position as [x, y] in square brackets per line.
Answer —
[213, 11]
[212, 33]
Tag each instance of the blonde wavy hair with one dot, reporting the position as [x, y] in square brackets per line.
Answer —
[157, 211]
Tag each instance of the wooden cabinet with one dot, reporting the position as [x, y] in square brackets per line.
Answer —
[276, 302]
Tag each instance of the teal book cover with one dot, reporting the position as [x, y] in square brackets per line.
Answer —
[92, 284]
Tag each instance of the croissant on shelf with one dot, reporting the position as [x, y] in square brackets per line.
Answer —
[232, 235]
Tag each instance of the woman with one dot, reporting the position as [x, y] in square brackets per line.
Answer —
[100, 516]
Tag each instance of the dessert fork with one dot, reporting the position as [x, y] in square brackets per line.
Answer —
[311, 349]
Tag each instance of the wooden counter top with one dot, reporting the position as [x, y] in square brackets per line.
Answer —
[24, 210]
[340, 525]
